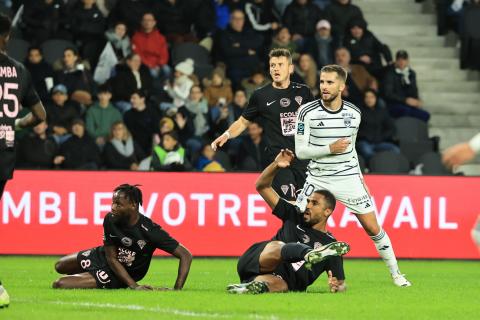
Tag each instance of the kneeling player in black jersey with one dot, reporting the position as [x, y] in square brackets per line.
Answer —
[129, 239]
[301, 250]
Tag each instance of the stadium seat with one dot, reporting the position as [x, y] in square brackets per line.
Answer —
[431, 164]
[53, 49]
[413, 139]
[194, 51]
[389, 162]
[18, 49]
[412, 150]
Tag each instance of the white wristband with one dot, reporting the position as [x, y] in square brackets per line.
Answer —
[227, 134]
[474, 143]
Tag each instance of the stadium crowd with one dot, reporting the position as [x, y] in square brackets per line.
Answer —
[122, 97]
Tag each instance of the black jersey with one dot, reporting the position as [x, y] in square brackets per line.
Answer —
[294, 230]
[277, 109]
[16, 90]
[135, 244]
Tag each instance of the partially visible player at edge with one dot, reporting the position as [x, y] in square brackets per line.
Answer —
[129, 241]
[326, 132]
[301, 250]
[16, 89]
[276, 104]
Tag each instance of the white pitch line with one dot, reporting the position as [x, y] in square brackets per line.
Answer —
[136, 307]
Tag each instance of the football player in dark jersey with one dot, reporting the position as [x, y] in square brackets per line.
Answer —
[301, 250]
[275, 105]
[16, 90]
[129, 241]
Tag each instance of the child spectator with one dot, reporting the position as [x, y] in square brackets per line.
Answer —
[179, 89]
[206, 162]
[169, 155]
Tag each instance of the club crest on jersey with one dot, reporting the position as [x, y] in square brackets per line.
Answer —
[284, 188]
[299, 100]
[284, 102]
[126, 241]
[347, 119]
[141, 243]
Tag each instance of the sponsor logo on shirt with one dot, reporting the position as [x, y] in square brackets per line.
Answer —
[287, 123]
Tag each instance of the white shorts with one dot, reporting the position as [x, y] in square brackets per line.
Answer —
[351, 191]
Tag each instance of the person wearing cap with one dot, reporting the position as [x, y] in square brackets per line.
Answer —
[365, 48]
[79, 151]
[322, 46]
[179, 88]
[61, 111]
[401, 91]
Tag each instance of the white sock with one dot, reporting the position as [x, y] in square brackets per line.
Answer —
[385, 250]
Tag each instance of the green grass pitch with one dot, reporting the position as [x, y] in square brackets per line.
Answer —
[441, 290]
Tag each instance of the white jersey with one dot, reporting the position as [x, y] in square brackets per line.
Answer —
[317, 127]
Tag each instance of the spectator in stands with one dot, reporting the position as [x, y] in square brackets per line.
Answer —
[129, 77]
[358, 80]
[261, 18]
[41, 72]
[79, 151]
[60, 113]
[239, 48]
[101, 115]
[142, 120]
[45, 19]
[119, 40]
[121, 151]
[340, 13]
[301, 17]
[252, 155]
[88, 27]
[198, 107]
[179, 88]
[322, 46]
[470, 36]
[75, 75]
[206, 161]
[401, 91]
[283, 39]
[175, 19]
[169, 155]
[365, 48]
[377, 128]
[36, 150]
[306, 69]
[152, 47]
[130, 12]
[218, 89]
[256, 80]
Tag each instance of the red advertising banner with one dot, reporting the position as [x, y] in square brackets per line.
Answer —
[60, 212]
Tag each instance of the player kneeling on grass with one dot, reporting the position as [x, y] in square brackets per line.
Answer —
[301, 250]
[130, 239]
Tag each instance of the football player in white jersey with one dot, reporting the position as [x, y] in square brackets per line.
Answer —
[325, 133]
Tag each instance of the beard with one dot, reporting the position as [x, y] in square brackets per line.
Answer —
[332, 97]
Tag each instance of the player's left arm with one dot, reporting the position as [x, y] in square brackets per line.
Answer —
[185, 258]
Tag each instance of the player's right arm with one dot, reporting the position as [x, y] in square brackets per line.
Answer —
[264, 182]
[232, 132]
[119, 269]
[34, 117]
[303, 149]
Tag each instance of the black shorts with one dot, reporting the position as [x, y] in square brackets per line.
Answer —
[105, 278]
[248, 268]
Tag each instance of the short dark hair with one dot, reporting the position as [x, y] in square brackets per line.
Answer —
[141, 93]
[339, 70]
[131, 192]
[35, 48]
[74, 50]
[330, 200]
[5, 24]
[104, 88]
[280, 52]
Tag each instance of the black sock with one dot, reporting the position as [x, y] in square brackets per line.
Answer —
[294, 252]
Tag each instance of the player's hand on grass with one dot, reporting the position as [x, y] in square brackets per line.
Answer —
[284, 158]
[143, 287]
[339, 146]
[457, 155]
[332, 282]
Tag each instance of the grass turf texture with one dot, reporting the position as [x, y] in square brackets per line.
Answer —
[441, 290]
